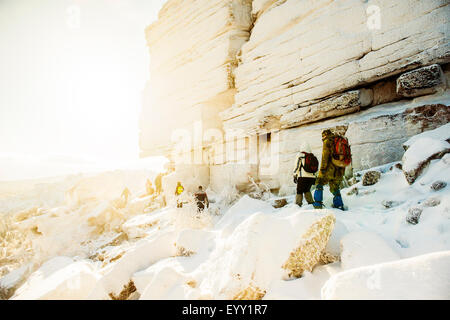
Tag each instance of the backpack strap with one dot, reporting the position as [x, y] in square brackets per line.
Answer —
[299, 165]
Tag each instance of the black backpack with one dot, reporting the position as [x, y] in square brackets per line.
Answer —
[311, 163]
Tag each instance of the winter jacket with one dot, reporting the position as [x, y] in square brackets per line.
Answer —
[328, 171]
[299, 171]
[179, 190]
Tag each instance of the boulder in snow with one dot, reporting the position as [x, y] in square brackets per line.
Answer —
[390, 203]
[353, 191]
[432, 202]
[371, 177]
[414, 215]
[280, 203]
[438, 185]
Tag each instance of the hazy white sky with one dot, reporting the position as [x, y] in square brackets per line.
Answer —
[72, 74]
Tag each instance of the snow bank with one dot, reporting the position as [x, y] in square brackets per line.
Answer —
[422, 277]
[363, 248]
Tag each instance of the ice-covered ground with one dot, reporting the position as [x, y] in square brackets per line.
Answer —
[392, 243]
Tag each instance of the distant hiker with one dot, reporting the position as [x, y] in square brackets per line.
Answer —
[336, 155]
[202, 199]
[149, 187]
[158, 183]
[178, 191]
[304, 174]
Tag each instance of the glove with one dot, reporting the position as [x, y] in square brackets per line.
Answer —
[295, 179]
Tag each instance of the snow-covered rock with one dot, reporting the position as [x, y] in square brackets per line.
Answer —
[60, 278]
[190, 241]
[240, 266]
[422, 149]
[370, 178]
[440, 133]
[141, 255]
[138, 226]
[423, 277]
[166, 284]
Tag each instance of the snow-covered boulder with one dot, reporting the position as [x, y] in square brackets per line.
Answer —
[105, 218]
[10, 282]
[60, 278]
[363, 248]
[139, 226]
[423, 148]
[422, 277]
[190, 241]
[167, 284]
[143, 254]
[262, 248]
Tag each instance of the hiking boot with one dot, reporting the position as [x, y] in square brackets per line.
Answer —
[318, 205]
[309, 198]
[299, 199]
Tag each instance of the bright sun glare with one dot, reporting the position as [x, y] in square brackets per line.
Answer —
[72, 74]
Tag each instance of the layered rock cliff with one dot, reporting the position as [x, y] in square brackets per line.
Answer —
[250, 81]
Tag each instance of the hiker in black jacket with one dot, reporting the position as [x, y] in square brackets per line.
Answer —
[306, 166]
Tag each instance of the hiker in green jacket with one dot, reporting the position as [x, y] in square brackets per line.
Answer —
[336, 155]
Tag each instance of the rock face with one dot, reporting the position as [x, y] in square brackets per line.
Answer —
[193, 48]
[303, 51]
[239, 85]
[421, 81]
[348, 102]
[379, 139]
